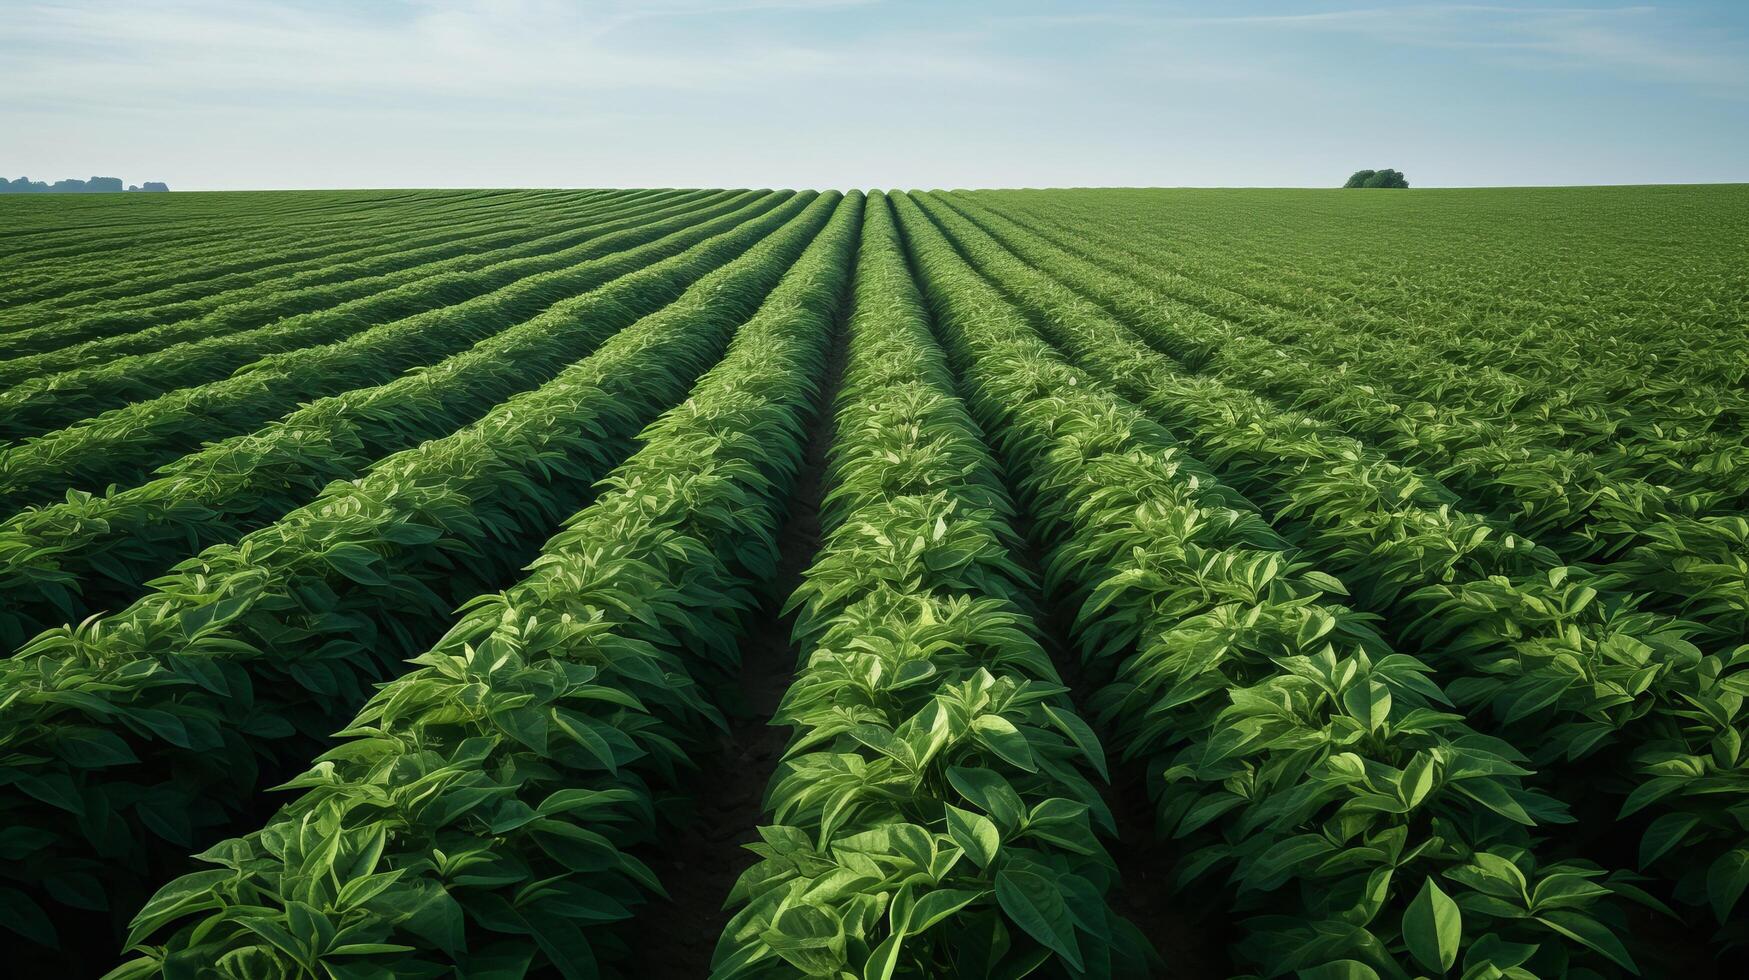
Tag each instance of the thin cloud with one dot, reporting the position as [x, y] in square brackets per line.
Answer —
[1641, 40]
[1646, 41]
[478, 50]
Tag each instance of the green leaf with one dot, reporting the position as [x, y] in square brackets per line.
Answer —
[990, 792]
[1033, 902]
[1369, 701]
[1725, 882]
[1418, 778]
[367, 949]
[1590, 932]
[884, 960]
[975, 833]
[939, 904]
[1433, 928]
[92, 748]
[1340, 970]
[809, 939]
[20, 914]
[1005, 740]
[189, 893]
[357, 563]
[1080, 735]
[79, 890]
[431, 914]
[1492, 952]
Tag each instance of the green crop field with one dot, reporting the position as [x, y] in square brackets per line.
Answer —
[752, 584]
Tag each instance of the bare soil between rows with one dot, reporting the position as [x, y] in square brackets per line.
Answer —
[699, 863]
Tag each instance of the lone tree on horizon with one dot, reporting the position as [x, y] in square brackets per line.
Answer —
[1377, 178]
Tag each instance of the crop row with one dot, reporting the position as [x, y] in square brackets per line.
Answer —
[1311, 769]
[518, 286]
[1683, 549]
[141, 331]
[125, 307]
[62, 562]
[134, 736]
[934, 814]
[116, 222]
[1615, 701]
[479, 812]
[123, 445]
[1441, 272]
[204, 249]
[1587, 439]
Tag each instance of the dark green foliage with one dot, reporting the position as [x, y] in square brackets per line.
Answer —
[68, 560]
[477, 813]
[1644, 709]
[936, 764]
[1377, 178]
[248, 653]
[1403, 544]
[1283, 730]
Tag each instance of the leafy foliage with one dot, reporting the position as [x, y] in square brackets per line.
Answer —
[87, 327]
[933, 814]
[1309, 765]
[1543, 654]
[127, 442]
[1403, 540]
[1377, 178]
[64, 562]
[214, 672]
[476, 814]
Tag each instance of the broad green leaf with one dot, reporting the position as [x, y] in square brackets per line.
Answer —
[938, 904]
[1005, 740]
[1587, 930]
[1369, 701]
[1032, 902]
[975, 833]
[1433, 928]
[1340, 970]
[1725, 881]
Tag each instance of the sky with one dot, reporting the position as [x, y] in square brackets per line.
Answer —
[230, 94]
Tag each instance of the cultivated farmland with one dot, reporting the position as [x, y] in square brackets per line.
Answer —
[770, 584]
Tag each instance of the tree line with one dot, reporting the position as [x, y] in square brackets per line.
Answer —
[95, 185]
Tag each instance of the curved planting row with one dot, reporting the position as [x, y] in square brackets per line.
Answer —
[137, 332]
[1304, 764]
[132, 737]
[517, 286]
[394, 245]
[61, 562]
[123, 445]
[1613, 700]
[1683, 548]
[934, 814]
[478, 815]
[1590, 458]
[206, 251]
[49, 234]
[1440, 276]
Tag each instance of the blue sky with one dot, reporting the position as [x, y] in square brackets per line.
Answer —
[215, 94]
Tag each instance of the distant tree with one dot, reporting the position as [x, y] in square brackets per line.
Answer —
[1377, 178]
[24, 185]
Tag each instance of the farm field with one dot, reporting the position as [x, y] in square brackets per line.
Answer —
[766, 584]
